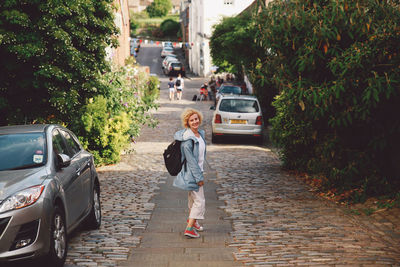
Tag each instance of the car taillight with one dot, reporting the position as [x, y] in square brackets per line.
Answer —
[170, 68]
[259, 120]
[218, 119]
[183, 68]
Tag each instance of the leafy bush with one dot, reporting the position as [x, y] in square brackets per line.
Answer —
[104, 135]
[170, 27]
[52, 55]
[339, 81]
[108, 122]
[159, 8]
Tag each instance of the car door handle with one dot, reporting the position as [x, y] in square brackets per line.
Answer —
[78, 171]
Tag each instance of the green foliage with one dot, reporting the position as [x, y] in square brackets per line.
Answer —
[337, 71]
[233, 49]
[108, 121]
[170, 27]
[159, 8]
[232, 37]
[52, 56]
[54, 70]
[105, 136]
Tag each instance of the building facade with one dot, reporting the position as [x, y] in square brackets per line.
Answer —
[202, 16]
[122, 52]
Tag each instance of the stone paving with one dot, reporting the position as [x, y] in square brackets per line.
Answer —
[276, 220]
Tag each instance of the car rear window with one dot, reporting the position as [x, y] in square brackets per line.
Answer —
[231, 90]
[175, 65]
[239, 105]
[19, 151]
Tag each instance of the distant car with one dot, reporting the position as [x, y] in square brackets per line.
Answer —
[166, 51]
[174, 68]
[168, 44]
[168, 59]
[48, 187]
[225, 89]
[237, 115]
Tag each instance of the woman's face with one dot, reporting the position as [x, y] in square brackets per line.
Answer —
[194, 122]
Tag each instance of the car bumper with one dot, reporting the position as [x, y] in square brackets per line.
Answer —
[238, 130]
[32, 221]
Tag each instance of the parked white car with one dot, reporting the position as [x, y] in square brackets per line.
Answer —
[237, 115]
[166, 51]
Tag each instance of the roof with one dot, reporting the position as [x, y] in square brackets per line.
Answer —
[29, 128]
[232, 96]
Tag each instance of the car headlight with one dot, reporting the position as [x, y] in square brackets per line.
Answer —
[22, 198]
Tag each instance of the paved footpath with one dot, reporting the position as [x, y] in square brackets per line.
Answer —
[257, 214]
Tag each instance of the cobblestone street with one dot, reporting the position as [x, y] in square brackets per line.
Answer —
[276, 220]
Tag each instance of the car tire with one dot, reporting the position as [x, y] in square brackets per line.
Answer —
[93, 220]
[213, 138]
[58, 239]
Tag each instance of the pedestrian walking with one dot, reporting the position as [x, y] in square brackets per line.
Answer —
[172, 89]
[190, 178]
[179, 84]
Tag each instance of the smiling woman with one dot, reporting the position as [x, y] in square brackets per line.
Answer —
[191, 179]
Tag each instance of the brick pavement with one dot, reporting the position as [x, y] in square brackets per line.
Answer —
[275, 220]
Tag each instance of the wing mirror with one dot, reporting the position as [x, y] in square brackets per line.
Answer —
[63, 160]
[212, 108]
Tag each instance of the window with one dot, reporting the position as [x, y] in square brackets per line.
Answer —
[239, 106]
[20, 151]
[228, 2]
[58, 144]
[73, 145]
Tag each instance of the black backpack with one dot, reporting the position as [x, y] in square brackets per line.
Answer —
[172, 158]
[178, 82]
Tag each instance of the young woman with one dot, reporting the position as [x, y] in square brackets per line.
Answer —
[179, 84]
[171, 87]
[193, 148]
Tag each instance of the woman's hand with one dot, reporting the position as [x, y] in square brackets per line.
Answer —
[201, 183]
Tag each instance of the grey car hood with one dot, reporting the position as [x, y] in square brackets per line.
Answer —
[16, 180]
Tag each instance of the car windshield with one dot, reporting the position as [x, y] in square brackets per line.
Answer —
[239, 105]
[231, 90]
[22, 151]
[168, 49]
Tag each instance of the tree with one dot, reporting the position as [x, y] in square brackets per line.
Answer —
[54, 70]
[159, 8]
[339, 81]
[53, 54]
[170, 28]
[233, 49]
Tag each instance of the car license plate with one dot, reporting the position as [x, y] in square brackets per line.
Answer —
[177, 68]
[238, 121]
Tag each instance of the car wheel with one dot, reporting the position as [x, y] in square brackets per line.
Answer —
[94, 218]
[213, 138]
[58, 239]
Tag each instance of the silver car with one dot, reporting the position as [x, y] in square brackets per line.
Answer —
[48, 186]
[227, 89]
[237, 115]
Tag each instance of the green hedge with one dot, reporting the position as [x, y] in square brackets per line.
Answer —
[338, 76]
[109, 121]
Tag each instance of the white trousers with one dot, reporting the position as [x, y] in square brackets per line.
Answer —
[197, 204]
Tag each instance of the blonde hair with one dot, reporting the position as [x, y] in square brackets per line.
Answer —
[187, 113]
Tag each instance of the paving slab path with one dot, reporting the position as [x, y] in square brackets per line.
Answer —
[257, 214]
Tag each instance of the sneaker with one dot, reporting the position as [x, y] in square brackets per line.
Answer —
[197, 226]
[191, 232]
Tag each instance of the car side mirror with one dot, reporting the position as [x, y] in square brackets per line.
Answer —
[63, 160]
[212, 108]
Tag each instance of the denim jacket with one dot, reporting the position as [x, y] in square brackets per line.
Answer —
[190, 175]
